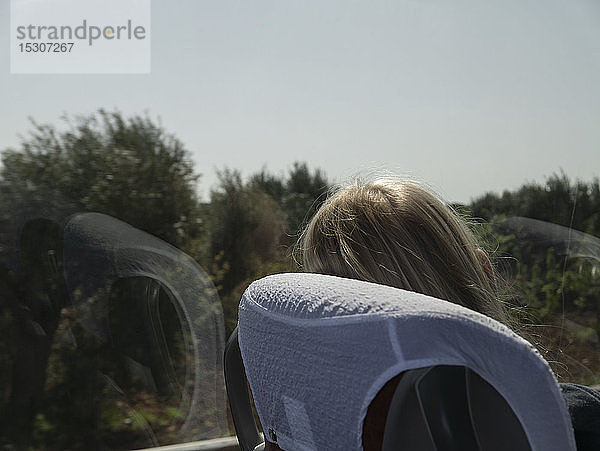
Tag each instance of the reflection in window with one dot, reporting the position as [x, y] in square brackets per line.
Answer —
[112, 339]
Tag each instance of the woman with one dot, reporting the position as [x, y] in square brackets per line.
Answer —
[397, 233]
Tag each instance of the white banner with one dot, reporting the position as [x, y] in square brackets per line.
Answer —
[80, 36]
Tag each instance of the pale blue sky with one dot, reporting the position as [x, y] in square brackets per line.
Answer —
[469, 96]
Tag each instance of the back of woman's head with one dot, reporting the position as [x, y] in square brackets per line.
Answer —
[397, 233]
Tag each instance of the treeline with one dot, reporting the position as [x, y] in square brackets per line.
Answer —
[545, 236]
[559, 201]
[252, 225]
[132, 169]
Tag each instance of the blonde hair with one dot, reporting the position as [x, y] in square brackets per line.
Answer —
[397, 233]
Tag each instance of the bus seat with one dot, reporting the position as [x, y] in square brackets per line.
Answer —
[318, 349]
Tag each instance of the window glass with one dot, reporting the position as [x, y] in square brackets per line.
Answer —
[113, 339]
[139, 197]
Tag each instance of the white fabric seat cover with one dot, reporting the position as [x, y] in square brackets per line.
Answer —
[318, 348]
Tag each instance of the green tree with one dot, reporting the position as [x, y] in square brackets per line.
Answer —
[299, 194]
[246, 227]
[253, 226]
[557, 200]
[129, 168]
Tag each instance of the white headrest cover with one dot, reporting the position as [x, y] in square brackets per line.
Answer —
[318, 348]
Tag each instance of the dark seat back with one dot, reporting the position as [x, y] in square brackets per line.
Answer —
[239, 398]
[450, 408]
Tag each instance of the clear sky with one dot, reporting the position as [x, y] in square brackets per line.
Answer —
[469, 96]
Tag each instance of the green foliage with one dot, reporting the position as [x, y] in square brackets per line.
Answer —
[299, 195]
[252, 226]
[553, 268]
[245, 229]
[129, 168]
[244, 225]
[547, 282]
[558, 200]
